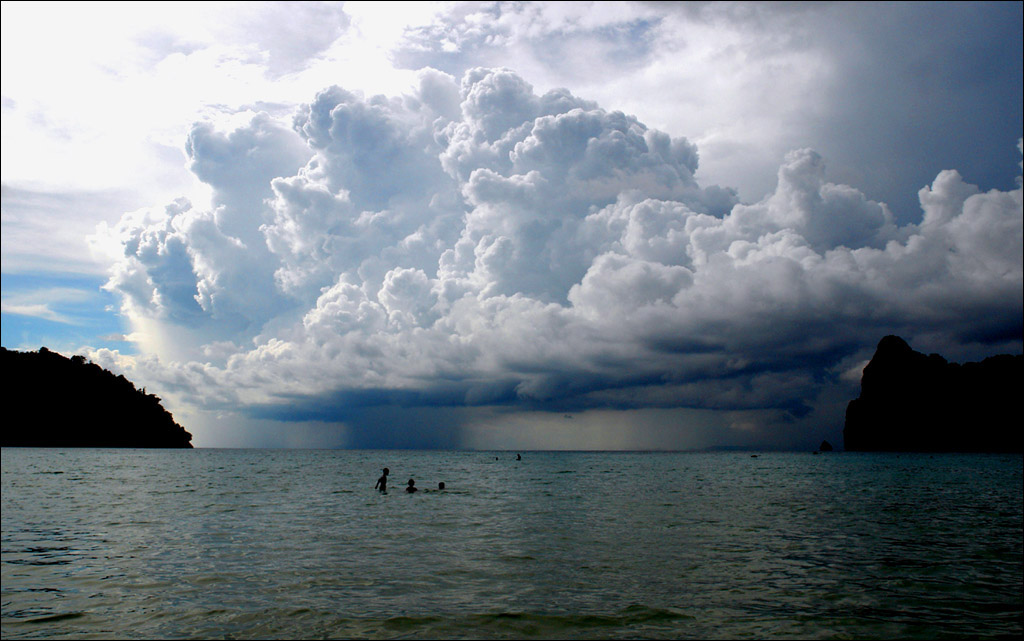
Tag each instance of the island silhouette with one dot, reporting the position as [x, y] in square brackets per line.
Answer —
[55, 401]
[910, 402]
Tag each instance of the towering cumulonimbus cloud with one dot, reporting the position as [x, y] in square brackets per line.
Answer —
[481, 244]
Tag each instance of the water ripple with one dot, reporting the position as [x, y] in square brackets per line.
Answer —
[148, 544]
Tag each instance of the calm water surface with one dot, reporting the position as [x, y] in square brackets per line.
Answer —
[297, 544]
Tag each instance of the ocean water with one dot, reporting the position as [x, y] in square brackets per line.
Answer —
[297, 544]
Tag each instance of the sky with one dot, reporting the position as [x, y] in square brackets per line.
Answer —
[510, 225]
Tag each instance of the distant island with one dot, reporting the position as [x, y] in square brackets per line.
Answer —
[910, 402]
[54, 401]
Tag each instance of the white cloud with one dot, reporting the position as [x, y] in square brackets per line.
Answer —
[535, 250]
[98, 98]
[436, 228]
[40, 303]
[747, 82]
[37, 310]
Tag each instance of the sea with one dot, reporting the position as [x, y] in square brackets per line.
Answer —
[249, 543]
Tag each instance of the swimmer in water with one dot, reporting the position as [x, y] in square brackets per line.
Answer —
[382, 482]
[412, 486]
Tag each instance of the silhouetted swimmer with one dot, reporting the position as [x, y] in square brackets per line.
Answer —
[412, 486]
[440, 486]
[518, 457]
[382, 482]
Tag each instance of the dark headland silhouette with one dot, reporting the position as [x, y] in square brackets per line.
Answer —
[910, 402]
[53, 401]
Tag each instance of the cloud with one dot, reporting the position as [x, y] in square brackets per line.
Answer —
[34, 219]
[477, 243]
[861, 83]
[40, 303]
[37, 310]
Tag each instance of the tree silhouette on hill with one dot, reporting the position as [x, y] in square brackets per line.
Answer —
[54, 401]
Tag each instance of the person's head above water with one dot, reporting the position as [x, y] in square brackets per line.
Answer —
[440, 485]
[411, 482]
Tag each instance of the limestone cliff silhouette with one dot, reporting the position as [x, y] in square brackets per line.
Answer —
[53, 401]
[910, 402]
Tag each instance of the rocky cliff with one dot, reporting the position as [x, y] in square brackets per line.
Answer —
[910, 402]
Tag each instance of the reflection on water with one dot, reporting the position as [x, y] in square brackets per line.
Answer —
[297, 544]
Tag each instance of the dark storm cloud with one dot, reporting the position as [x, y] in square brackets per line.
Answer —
[943, 79]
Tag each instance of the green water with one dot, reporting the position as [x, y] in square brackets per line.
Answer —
[297, 544]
